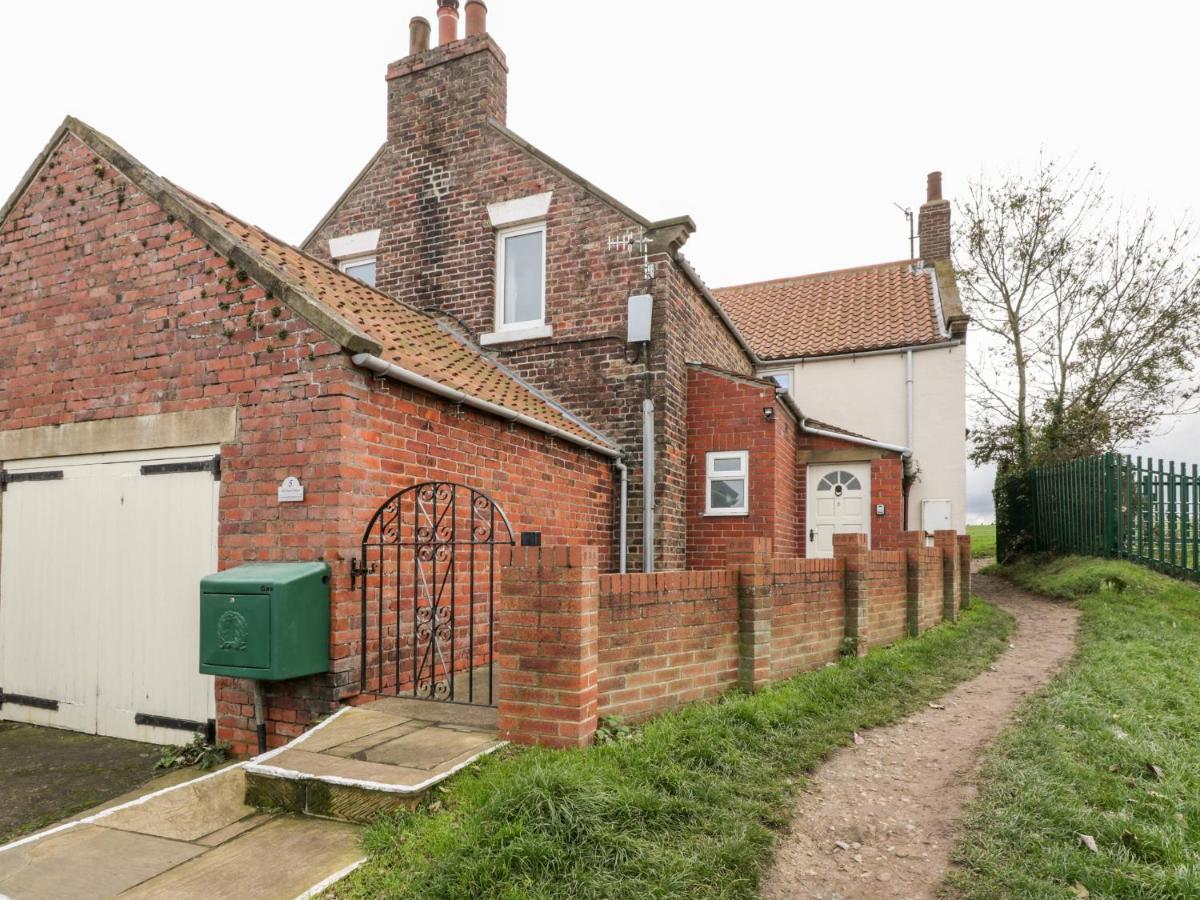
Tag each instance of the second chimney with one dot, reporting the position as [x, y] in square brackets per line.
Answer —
[476, 17]
[418, 35]
[933, 222]
[933, 187]
[447, 22]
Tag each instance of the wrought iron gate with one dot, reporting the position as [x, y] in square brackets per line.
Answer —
[427, 576]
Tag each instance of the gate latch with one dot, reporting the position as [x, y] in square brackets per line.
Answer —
[358, 570]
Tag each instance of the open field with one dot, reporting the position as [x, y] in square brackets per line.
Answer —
[983, 540]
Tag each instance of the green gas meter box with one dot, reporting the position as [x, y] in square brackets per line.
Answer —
[268, 621]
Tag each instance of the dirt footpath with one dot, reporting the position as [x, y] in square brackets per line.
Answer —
[880, 819]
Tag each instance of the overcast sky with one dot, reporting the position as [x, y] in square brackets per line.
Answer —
[786, 130]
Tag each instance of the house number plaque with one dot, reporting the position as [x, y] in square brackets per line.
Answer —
[291, 491]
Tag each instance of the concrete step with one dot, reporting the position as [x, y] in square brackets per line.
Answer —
[369, 760]
[192, 841]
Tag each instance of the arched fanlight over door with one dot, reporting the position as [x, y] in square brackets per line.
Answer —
[839, 482]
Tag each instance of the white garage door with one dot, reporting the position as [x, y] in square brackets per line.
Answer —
[100, 562]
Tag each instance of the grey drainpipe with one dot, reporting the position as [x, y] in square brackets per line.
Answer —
[624, 472]
[648, 485]
[908, 401]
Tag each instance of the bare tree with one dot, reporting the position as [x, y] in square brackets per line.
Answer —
[1090, 317]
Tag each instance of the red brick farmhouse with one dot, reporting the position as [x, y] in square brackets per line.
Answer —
[493, 382]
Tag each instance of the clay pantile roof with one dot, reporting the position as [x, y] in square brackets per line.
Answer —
[408, 337]
[868, 308]
[359, 318]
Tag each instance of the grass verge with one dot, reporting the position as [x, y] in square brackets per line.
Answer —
[681, 807]
[1109, 751]
[983, 541]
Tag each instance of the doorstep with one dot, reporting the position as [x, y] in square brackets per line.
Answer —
[373, 759]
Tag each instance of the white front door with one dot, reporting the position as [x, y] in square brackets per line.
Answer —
[100, 563]
[839, 502]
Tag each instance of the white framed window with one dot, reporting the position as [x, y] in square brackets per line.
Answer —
[361, 268]
[521, 277]
[782, 377]
[727, 483]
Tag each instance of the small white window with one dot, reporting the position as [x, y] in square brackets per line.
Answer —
[521, 277]
[728, 483]
[362, 269]
[782, 377]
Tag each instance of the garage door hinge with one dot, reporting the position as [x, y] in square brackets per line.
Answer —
[23, 700]
[203, 465]
[7, 478]
[208, 729]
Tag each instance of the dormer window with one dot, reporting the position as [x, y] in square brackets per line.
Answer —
[356, 255]
[361, 269]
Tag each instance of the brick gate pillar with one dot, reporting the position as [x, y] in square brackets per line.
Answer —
[947, 543]
[912, 542]
[964, 571]
[752, 559]
[547, 640]
[852, 550]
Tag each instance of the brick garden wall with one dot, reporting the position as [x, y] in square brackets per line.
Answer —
[808, 617]
[925, 585]
[666, 639]
[110, 308]
[888, 585]
[574, 645]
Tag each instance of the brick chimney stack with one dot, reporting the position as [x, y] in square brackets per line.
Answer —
[438, 94]
[447, 22]
[933, 223]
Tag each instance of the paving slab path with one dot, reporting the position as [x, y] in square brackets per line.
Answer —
[880, 819]
[194, 841]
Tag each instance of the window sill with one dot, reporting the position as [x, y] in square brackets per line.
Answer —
[511, 335]
[727, 512]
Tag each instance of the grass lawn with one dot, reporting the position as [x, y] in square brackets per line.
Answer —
[1109, 750]
[684, 806]
[983, 540]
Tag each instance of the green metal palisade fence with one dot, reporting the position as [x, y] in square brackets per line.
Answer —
[1126, 507]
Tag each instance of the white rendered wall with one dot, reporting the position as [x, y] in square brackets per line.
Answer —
[867, 395]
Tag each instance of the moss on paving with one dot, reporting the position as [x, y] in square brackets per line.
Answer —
[1109, 750]
[685, 806]
[47, 774]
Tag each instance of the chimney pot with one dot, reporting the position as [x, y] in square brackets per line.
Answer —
[933, 187]
[447, 22]
[418, 35]
[476, 17]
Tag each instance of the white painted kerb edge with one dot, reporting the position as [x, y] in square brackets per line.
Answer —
[138, 801]
[256, 767]
[321, 886]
